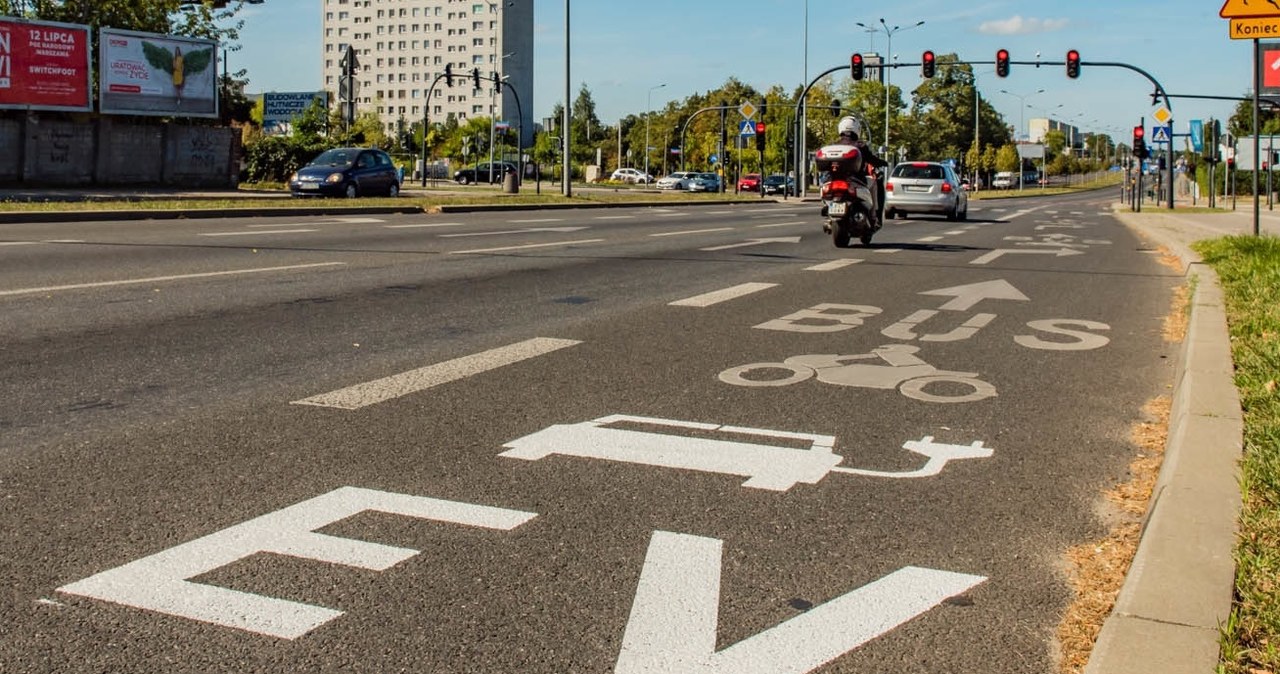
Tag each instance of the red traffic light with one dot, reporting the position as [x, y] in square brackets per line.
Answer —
[1002, 63]
[1073, 64]
[927, 64]
[856, 66]
[1139, 132]
[759, 127]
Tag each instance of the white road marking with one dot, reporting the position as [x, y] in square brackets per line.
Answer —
[671, 215]
[929, 239]
[833, 265]
[20, 243]
[615, 217]
[532, 220]
[719, 212]
[358, 221]
[161, 582]
[674, 618]
[997, 253]
[781, 224]
[718, 296]
[694, 231]
[425, 225]
[755, 242]
[258, 232]
[414, 381]
[525, 247]
[888, 251]
[158, 279]
[526, 230]
[954, 232]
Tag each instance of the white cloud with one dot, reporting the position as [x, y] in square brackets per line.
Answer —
[1016, 25]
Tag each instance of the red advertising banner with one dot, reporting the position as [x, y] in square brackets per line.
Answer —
[44, 66]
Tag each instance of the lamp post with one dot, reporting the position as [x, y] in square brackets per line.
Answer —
[1022, 105]
[647, 106]
[493, 110]
[889, 33]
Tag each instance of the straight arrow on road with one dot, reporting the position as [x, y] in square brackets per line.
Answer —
[968, 295]
[526, 230]
[756, 242]
[997, 253]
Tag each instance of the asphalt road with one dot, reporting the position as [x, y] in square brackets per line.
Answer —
[686, 439]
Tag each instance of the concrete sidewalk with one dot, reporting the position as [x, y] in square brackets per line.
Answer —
[1180, 587]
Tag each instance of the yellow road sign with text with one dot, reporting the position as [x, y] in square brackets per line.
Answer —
[1241, 9]
[1255, 28]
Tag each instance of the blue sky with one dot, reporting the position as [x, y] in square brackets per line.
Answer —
[620, 50]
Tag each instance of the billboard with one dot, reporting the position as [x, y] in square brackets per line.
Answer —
[151, 74]
[279, 109]
[44, 66]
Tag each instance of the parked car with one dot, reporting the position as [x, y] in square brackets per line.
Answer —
[481, 173]
[1002, 181]
[630, 175]
[704, 182]
[779, 184]
[749, 182]
[925, 187]
[678, 180]
[347, 172]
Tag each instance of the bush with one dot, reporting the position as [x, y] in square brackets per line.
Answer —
[275, 158]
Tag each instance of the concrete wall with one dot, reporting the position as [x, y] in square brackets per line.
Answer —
[55, 150]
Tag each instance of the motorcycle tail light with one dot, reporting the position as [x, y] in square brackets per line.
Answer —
[835, 186]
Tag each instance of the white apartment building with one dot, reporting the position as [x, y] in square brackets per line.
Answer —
[1039, 127]
[402, 46]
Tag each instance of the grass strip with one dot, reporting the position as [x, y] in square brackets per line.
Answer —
[1249, 268]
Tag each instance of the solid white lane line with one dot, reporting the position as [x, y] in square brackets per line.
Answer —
[425, 225]
[257, 232]
[725, 295]
[414, 381]
[694, 231]
[157, 279]
[832, 265]
[532, 245]
[929, 239]
[520, 222]
[781, 224]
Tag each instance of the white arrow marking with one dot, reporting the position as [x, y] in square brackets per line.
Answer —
[756, 242]
[995, 254]
[673, 621]
[527, 230]
[968, 295]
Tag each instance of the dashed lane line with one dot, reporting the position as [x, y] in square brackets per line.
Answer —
[159, 279]
[694, 231]
[929, 239]
[615, 217]
[414, 381]
[532, 220]
[782, 224]
[833, 265]
[258, 232]
[525, 247]
[425, 225]
[718, 296]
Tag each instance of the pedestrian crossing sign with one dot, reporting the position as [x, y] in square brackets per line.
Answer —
[1161, 134]
[748, 129]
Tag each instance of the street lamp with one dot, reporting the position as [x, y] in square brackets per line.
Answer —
[1021, 122]
[647, 106]
[888, 54]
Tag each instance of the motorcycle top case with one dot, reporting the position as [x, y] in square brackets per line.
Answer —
[840, 160]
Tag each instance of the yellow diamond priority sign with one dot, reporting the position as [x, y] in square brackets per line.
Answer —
[1162, 115]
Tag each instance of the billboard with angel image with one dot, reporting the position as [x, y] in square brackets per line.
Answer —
[151, 74]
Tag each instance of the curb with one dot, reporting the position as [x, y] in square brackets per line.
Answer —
[1180, 587]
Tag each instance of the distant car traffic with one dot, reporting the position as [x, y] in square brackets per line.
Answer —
[630, 175]
[483, 173]
[779, 184]
[749, 182]
[704, 182]
[925, 187]
[678, 180]
[347, 172]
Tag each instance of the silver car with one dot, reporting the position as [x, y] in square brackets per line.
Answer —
[678, 180]
[925, 187]
[704, 182]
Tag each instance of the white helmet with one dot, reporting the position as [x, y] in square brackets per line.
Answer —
[849, 126]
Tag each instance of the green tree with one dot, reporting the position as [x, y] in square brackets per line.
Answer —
[1055, 142]
[1007, 159]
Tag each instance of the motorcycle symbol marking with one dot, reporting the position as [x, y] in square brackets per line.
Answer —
[903, 371]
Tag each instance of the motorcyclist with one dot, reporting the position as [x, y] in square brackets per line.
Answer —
[850, 130]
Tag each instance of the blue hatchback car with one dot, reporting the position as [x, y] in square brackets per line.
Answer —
[347, 172]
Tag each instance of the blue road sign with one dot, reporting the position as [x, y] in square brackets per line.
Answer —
[747, 129]
[1161, 134]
